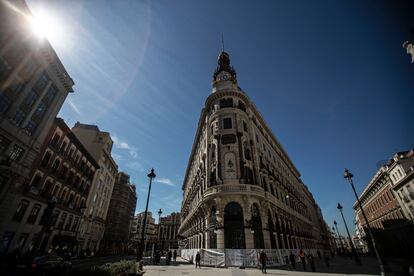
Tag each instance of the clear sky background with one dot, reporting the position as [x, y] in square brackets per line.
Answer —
[330, 78]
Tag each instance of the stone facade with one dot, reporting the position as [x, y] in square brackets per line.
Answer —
[33, 86]
[168, 231]
[62, 174]
[241, 190]
[401, 171]
[121, 211]
[99, 144]
[386, 203]
[379, 202]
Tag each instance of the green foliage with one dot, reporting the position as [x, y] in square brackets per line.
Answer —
[118, 267]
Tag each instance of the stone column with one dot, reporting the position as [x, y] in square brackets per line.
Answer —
[220, 230]
[266, 232]
[249, 237]
[277, 240]
[206, 232]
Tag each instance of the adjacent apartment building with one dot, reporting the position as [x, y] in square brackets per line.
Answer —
[150, 233]
[33, 86]
[120, 213]
[99, 144]
[50, 211]
[168, 231]
[387, 206]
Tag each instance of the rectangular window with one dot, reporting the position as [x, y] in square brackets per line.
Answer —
[50, 95]
[33, 214]
[6, 240]
[31, 127]
[21, 210]
[16, 153]
[244, 126]
[62, 220]
[41, 82]
[4, 103]
[227, 123]
[19, 117]
[226, 103]
[29, 101]
[4, 143]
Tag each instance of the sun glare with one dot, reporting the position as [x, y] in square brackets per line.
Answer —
[43, 25]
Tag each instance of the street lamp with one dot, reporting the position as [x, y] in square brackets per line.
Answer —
[357, 260]
[159, 226]
[383, 267]
[339, 237]
[151, 176]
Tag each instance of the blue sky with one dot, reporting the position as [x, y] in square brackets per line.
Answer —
[330, 78]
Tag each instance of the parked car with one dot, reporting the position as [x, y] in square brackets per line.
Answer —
[51, 264]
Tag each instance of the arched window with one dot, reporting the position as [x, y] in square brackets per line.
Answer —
[234, 226]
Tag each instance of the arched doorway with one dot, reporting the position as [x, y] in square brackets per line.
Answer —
[271, 231]
[257, 227]
[233, 226]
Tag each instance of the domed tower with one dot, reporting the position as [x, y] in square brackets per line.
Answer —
[241, 190]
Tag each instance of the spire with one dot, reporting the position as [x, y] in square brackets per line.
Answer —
[224, 64]
[222, 42]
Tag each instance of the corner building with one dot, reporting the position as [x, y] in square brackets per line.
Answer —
[241, 190]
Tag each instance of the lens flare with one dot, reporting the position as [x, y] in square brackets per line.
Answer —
[44, 25]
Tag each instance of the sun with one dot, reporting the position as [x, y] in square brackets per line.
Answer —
[44, 25]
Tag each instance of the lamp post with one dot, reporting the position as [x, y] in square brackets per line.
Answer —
[383, 267]
[159, 226]
[151, 176]
[339, 237]
[357, 260]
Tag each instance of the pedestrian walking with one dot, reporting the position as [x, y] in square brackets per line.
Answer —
[198, 259]
[302, 259]
[263, 260]
[292, 260]
[175, 256]
[311, 262]
[169, 256]
[287, 263]
[327, 259]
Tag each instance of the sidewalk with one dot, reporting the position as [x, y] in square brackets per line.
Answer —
[338, 266]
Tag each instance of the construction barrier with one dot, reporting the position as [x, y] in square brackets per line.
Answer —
[242, 257]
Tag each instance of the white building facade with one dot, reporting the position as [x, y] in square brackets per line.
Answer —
[241, 190]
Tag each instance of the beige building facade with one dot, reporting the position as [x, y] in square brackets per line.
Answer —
[168, 231]
[401, 172]
[33, 86]
[387, 205]
[150, 232]
[99, 144]
[121, 211]
[241, 190]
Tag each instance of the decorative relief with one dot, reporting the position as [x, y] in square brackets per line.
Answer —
[230, 171]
